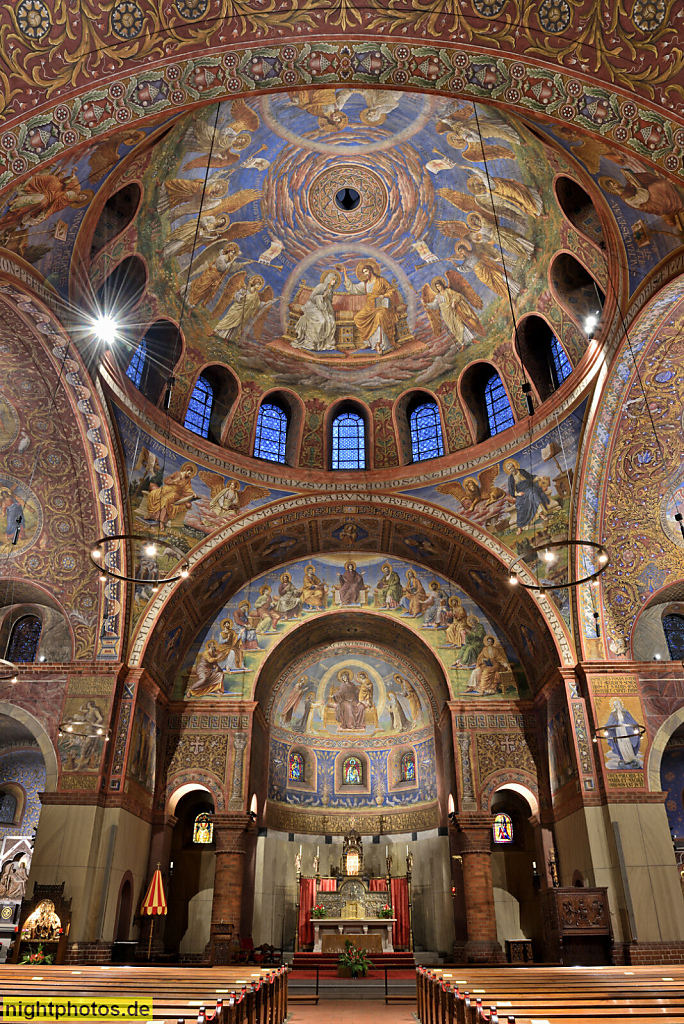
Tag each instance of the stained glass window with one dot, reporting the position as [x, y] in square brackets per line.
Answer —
[503, 828]
[562, 366]
[8, 808]
[203, 829]
[673, 626]
[498, 408]
[271, 433]
[352, 771]
[24, 639]
[198, 415]
[135, 368]
[426, 432]
[348, 442]
[408, 767]
[295, 767]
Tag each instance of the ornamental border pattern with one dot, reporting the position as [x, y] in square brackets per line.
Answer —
[175, 85]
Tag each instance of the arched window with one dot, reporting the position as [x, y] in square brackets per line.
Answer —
[117, 214]
[271, 433]
[24, 639]
[673, 627]
[198, 416]
[134, 370]
[503, 828]
[542, 355]
[123, 288]
[562, 367]
[578, 207]
[352, 771]
[408, 767]
[203, 829]
[497, 406]
[295, 767]
[426, 432]
[348, 441]
[578, 291]
[8, 808]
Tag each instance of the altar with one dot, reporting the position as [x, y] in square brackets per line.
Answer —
[374, 934]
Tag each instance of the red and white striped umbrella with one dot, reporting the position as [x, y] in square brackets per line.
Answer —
[155, 901]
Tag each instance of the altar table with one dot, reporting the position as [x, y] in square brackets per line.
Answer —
[330, 926]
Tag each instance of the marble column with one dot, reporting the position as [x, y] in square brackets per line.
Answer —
[475, 841]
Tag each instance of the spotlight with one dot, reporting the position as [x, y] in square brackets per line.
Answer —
[155, 590]
[513, 580]
[602, 559]
[151, 550]
[590, 324]
[103, 578]
[656, 657]
[14, 679]
[549, 556]
[96, 553]
[41, 658]
[106, 329]
[185, 572]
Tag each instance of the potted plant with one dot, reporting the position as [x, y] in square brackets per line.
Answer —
[36, 956]
[318, 910]
[353, 963]
[385, 911]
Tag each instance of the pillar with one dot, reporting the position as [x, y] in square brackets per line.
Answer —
[230, 838]
[475, 836]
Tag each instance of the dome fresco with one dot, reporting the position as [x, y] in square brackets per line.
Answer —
[290, 289]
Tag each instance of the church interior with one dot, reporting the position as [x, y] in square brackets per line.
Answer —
[341, 488]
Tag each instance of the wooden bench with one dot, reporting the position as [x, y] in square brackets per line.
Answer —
[228, 995]
[466, 995]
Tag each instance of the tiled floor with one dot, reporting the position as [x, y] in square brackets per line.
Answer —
[349, 1011]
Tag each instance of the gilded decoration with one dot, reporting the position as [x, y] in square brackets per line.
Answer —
[372, 205]
[206, 751]
[286, 819]
[497, 751]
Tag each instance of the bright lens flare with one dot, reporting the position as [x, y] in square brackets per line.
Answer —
[151, 550]
[106, 329]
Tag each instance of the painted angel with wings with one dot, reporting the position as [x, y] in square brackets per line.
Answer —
[461, 118]
[448, 302]
[483, 204]
[478, 495]
[229, 499]
[481, 226]
[224, 144]
[487, 264]
[248, 303]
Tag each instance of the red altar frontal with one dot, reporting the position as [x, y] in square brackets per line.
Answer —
[375, 911]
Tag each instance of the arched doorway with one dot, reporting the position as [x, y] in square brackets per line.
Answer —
[515, 871]
[191, 871]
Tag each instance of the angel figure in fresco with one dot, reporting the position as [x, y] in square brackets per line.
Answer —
[248, 303]
[315, 329]
[224, 144]
[481, 202]
[323, 104]
[461, 118]
[464, 136]
[227, 498]
[448, 302]
[294, 699]
[174, 498]
[182, 238]
[314, 590]
[648, 193]
[486, 262]
[210, 271]
[376, 321]
[480, 226]
[40, 196]
[192, 195]
[379, 103]
[512, 194]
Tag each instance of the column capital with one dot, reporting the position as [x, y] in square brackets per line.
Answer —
[474, 832]
[230, 831]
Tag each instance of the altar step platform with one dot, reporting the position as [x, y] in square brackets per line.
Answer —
[326, 963]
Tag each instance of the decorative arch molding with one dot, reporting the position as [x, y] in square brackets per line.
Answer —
[96, 435]
[517, 781]
[655, 303]
[481, 547]
[226, 71]
[660, 741]
[196, 781]
[42, 739]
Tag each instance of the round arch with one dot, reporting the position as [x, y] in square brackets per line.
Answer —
[42, 739]
[660, 741]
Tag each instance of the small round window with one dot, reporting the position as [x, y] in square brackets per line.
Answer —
[347, 199]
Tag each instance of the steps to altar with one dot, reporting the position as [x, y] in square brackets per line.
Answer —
[328, 962]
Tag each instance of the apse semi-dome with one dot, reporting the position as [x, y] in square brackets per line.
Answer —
[247, 243]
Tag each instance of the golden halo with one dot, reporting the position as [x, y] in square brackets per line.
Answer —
[368, 263]
[433, 585]
[256, 277]
[189, 465]
[344, 672]
[386, 565]
[410, 572]
[441, 280]
[262, 590]
[347, 564]
[372, 122]
[218, 188]
[334, 122]
[335, 273]
[226, 622]
[309, 568]
[243, 604]
[397, 678]
[509, 462]
[242, 141]
[489, 636]
[455, 139]
[285, 576]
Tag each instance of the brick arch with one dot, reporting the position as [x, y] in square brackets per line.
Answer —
[660, 741]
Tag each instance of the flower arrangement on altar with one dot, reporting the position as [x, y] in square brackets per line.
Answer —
[354, 960]
[37, 955]
[318, 910]
[385, 911]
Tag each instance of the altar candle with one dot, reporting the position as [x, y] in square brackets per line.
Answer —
[407, 849]
[318, 850]
[300, 849]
